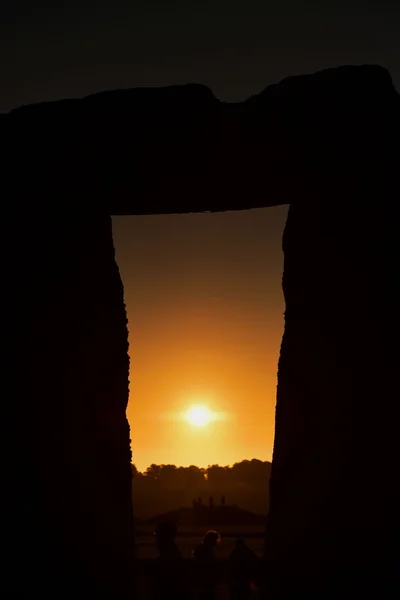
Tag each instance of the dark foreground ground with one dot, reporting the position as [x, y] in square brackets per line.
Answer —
[188, 538]
[145, 570]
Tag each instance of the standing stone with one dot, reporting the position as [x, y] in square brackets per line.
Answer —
[69, 525]
[334, 517]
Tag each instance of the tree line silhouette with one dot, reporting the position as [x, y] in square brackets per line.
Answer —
[167, 487]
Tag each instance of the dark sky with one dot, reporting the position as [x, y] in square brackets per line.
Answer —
[203, 292]
[54, 49]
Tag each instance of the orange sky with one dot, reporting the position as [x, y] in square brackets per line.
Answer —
[205, 310]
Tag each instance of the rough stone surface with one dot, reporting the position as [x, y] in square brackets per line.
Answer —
[69, 519]
[334, 516]
[325, 143]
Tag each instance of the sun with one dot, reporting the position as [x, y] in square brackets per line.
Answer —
[198, 416]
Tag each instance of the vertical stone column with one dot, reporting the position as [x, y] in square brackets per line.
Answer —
[68, 477]
[334, 518]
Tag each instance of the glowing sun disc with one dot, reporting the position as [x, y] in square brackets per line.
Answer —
[198, 416]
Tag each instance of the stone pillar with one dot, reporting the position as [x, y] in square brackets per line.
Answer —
[69, 524]
[334, 517]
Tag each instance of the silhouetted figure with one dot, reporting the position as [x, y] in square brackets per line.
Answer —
[199, 502]
[222, 500]
[211, 502]
[195, 504]
[207, 565]
[242, 566]
[168, 576]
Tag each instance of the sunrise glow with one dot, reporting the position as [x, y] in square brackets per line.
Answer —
[204, 300]
[199, 416]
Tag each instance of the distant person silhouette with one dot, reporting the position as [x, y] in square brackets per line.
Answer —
[211, 501]
[204, 552]
[241, 568]
[222, 500]
[168, 576]
[206, 559]
[165, 534]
